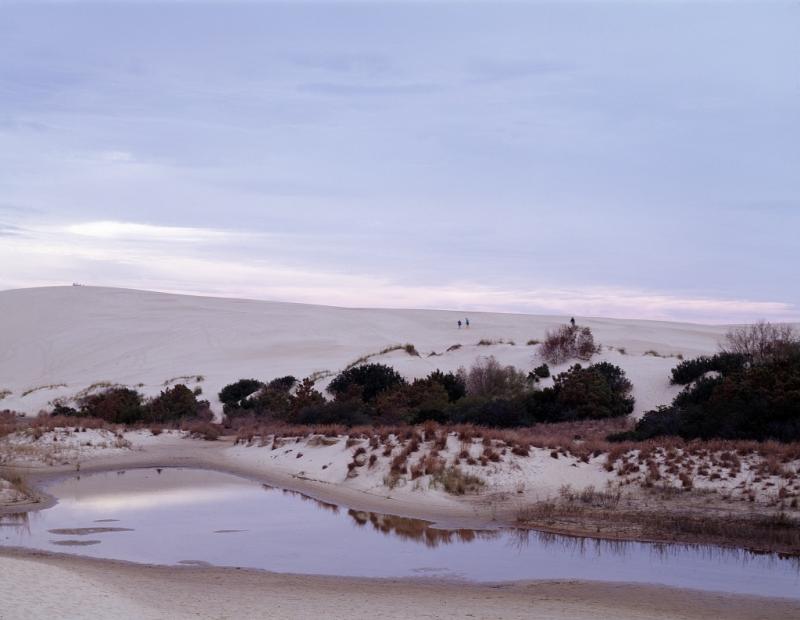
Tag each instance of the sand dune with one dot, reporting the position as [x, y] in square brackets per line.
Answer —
[58, 341]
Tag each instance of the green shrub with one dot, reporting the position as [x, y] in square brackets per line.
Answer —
[759, 400]
[282, 384]
[176, 403]
[452, 383]
[542, 371]
[233, 393]
[119, 405]
[365, 382]
[690, 370]
[599, 391]
[349, 413]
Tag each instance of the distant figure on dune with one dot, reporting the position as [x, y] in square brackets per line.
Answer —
[459, 324]
[572, 320]
[466, 322]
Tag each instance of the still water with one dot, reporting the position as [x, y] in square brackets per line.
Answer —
[186, 516]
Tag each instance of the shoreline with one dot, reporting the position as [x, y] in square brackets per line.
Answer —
[156, 592]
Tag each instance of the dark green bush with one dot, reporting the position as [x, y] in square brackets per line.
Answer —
[452, 383]
[542, 371]
[500, 412]
[177, 403]
[365, 382]
[232, 394]
[599, 391]
[282, 384]
[691, 370]
[119, 405]
[349, 413]
[757, 401]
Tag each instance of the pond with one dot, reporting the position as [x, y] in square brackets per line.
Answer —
[198, 517]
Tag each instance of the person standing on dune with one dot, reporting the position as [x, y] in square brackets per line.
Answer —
[466, 322]
[459, 323]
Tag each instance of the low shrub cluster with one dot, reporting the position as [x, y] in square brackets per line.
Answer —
[122, 405]
[568, 342]
[487, 394]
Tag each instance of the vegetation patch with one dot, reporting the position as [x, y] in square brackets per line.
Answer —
[568, 342]
[454, 481]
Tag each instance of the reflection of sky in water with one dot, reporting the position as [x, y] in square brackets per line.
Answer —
[144, 500]
[181, 516]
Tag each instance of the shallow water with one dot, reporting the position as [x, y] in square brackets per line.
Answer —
[197, 517]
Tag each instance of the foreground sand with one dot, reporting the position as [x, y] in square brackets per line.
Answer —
[48, 586]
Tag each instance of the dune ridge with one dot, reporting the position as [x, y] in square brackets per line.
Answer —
[59, 342]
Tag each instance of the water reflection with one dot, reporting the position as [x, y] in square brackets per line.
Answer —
[596, 547]
[306, 498]
[418, 530]
[19, 521]
[201, 517]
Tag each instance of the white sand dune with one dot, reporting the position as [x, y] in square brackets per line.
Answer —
[57, 341]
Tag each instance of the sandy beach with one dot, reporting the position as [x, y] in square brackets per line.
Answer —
[42, 586]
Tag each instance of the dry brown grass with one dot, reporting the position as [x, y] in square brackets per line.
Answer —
[205, 430]
[17, 481]
[672, 515]
[456, 482]
[766, 473]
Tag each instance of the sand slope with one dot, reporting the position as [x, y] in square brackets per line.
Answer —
[57, 341]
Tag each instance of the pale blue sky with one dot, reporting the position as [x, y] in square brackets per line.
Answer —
[625, 159]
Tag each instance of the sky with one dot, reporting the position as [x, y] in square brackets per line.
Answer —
[627, 159]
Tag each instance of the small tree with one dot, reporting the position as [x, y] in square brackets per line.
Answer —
[306, 395]
[176, 403]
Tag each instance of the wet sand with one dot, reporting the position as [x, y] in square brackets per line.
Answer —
[37, 585]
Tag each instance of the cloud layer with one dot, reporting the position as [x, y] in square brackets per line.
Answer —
[600, 158]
